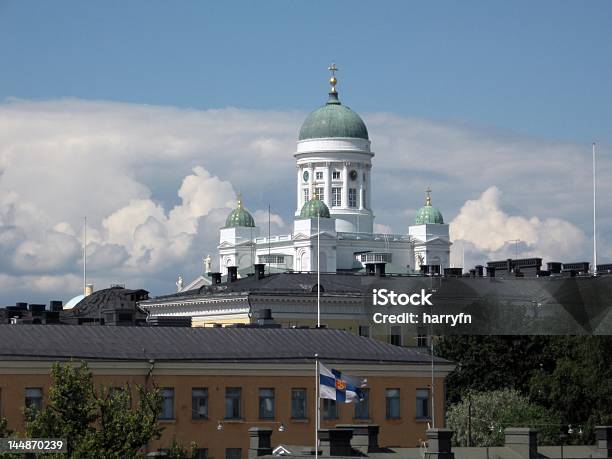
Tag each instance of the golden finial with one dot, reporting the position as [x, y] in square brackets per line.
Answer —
[428, 198]
[239, 200]
[333, 80]
[313, 190]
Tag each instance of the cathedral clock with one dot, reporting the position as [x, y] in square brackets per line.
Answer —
[353, 174]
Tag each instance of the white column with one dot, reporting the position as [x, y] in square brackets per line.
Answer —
[345, 180]
[368, 189]
[360, 181]
[299, 189]
[327, 178]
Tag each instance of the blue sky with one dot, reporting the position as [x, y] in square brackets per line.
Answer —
[540, 68]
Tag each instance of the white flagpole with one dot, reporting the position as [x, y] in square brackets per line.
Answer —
[318, 271]
[85, 255]
[594, 217]
[317, 406]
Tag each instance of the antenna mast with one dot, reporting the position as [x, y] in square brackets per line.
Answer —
[85, 256]
[594, 216]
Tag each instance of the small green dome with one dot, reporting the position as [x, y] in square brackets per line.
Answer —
[333, 120]
[314, 208]
[239, 217]
[428, 213]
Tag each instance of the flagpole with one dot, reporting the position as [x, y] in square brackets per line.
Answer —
[318, 270]
[594, 218]
[317, 406]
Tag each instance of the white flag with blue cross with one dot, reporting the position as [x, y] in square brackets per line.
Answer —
[338, 386]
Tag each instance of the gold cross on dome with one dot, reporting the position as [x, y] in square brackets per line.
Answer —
[333, 69]
[428, 198]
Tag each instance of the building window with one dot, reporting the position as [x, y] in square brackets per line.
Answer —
[199, 403]
[272, 259]
[336, 175]
[167, 410]
[364, 330]
[298, 404]
[422, 403]
[395, 337]
[318, 175]
[336, 197]
[233, 453]
[392, 403]
[232, 402]
[330, 409]
[320, 193]
[201, 453]
[306, 195]
[422, 341]
[352, 197]
[266, 403]
[362, 407]
[363, 198]
[34, 398]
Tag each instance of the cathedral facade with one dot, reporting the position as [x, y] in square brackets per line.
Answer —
[333, 228]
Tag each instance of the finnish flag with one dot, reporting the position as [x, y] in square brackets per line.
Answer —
[340, 387]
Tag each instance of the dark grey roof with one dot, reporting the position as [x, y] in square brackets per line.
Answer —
[202, 344]
[107, 299]
[295, 283]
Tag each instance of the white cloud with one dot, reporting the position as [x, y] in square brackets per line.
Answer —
[489, 229]
[156, 183]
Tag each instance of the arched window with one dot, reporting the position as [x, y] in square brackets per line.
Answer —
[314, 288]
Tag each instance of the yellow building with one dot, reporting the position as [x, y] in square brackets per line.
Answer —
[219, 382]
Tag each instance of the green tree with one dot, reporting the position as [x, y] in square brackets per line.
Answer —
[107, 423]
[487, 414]
[6, 432]
[576, 381]
[178, 451]
[570, 375]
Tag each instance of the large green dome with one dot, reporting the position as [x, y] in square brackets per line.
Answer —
[428, 213]
[333, 120]
[239, 217]
[314, 208]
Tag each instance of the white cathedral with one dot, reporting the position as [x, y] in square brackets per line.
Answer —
[333, 211]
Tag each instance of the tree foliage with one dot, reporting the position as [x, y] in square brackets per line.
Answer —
[487, 414]
[568, 375]
[108, 423]
[178, 451]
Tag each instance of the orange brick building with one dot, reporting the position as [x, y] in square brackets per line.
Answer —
[219, 382]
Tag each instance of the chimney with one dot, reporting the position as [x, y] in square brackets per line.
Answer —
[439, 444]
[603, 437]
[490, 271]
[479, 270]
[21, 305]
[523, 440]
[472, 273]
[88, 289]
[56, 305]
[369, 269]
[260, 443]
[365, 437]
[260, 270]
[216, 278]
[335, 442]
[379, 269]
[232, 273]
[264, 319]
[554, 267]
